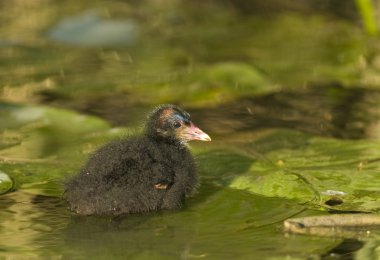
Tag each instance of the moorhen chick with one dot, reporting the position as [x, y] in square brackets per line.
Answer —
[140, 174]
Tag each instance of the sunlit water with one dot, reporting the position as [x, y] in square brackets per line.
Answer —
[226, 224]
[283, 135]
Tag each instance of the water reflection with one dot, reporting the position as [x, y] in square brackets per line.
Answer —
[333, 110]
[345, 250]
[29, 232]
[222, 224]
[322, 110]
[225, 225]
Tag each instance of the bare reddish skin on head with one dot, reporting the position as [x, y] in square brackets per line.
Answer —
[165, 114]
[187, 131]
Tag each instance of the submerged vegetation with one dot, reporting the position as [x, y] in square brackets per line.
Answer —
[288, 91]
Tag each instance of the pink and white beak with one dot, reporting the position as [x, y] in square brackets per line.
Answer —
[192, 132]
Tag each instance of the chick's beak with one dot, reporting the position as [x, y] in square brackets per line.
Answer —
[192, 132]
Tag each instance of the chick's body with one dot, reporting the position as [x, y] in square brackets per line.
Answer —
[134, 175]
[121, 178]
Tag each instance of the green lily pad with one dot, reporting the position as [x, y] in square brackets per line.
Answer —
[316, 170]
[279, 184]
[6, 183]
[42, 146]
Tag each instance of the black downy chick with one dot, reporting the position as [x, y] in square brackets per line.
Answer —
[140, 174]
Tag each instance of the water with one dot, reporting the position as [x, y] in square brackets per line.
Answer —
[289, 96]
[40, 226]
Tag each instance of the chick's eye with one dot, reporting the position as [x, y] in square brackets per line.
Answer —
[177, 124]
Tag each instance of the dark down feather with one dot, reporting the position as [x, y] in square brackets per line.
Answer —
[140, 174]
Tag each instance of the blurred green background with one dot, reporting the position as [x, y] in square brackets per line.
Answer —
[289, 91]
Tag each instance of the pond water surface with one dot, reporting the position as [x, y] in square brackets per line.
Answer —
[290, 96]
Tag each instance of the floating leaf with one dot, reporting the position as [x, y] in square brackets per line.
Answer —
[308, 169]
[6, 183]
[41, 145]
